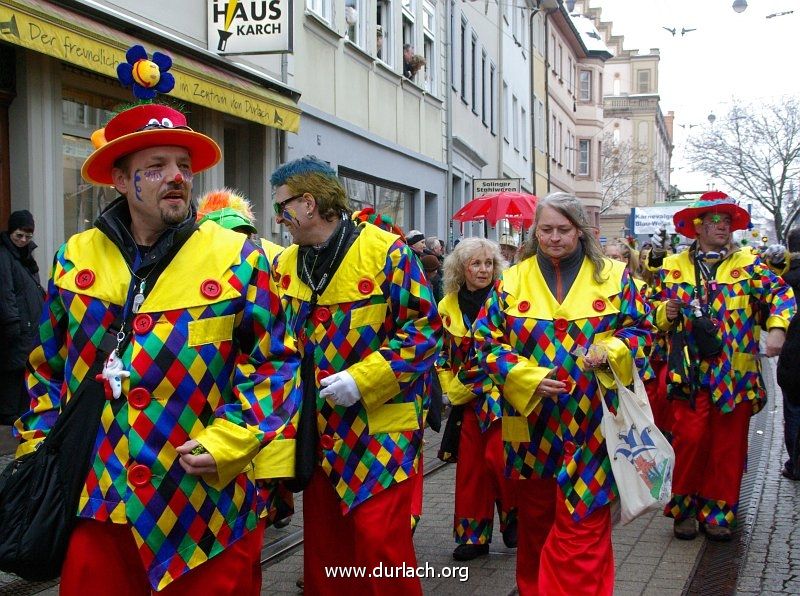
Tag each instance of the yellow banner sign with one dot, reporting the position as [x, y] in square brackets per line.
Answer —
[97, 48]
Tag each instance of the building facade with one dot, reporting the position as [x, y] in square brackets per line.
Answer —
[63, 57]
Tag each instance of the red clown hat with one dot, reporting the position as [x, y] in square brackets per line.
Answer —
[142, 127]
[713, 201]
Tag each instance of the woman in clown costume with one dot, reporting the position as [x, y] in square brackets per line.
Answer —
[551, 328]
[469, 272]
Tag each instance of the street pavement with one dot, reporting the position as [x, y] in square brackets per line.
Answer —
[763, 558]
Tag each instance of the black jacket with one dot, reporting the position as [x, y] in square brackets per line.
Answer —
[21, 301]
[788, 379]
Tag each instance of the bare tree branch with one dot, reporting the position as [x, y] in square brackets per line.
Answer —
[755, 151]
[624, 170]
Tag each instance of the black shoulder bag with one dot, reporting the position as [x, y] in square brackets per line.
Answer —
[39, 492]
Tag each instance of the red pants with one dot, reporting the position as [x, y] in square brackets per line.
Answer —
[657, 393]
[102, 558]
[480, 482]
[710, 455]
[373, 537]
[557, 555]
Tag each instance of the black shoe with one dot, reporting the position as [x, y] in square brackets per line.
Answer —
[282, 523]
[467, 552]
[685, 529]
[787, 473]
[510, 534]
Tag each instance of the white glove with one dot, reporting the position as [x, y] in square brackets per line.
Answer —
[341, 389]
[659, 242]
[445, 400]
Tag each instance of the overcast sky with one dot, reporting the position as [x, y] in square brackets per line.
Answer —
[742, 56]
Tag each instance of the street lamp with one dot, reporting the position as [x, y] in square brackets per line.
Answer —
[739, 5]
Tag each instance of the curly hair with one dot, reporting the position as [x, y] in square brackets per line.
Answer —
[311, 175]
[455, 264]
[570, 207]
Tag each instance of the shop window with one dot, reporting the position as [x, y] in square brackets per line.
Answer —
[394, 202]
[83, 201]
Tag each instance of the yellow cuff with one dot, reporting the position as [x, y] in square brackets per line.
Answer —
[376, 380]
[661, 320]
[446, 377]
[276, 460]
[620, 359]
[777, 322]
[231, 446]
[458, 393]
[521, 383]
[27, 447]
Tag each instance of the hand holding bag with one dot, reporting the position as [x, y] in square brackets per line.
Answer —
[642, 460]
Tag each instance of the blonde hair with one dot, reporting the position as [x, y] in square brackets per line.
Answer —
[570, 207]
[456, 262]
[631, 256]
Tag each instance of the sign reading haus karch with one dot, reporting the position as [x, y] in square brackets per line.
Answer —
[250, 27]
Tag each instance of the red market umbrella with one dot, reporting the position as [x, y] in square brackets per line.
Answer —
[516, 207]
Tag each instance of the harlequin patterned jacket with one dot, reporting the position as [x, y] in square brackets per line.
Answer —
[742, 283]
[524, 335]
[377, 320]
[205, 363]
[458, 367]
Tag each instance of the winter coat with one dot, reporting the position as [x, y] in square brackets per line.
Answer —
[205, 363]
[21, 300]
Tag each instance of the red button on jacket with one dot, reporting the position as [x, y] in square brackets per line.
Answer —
[524, 306]
[322, 374]
[326, 442]
[210, 288]
[735, 273]
[84, 278]
[139, 398]
[561, 324]
[569, 447]
[365, 286]
[321, 314]
[285, 281]
[142, 324]
[599, 305]
[139, 475]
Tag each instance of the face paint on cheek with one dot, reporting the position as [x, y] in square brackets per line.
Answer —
[290, 215]
[137, 185]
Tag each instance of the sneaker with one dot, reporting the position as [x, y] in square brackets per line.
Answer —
[717, 533]
[685, 529]
[467, 552]
[510, 534]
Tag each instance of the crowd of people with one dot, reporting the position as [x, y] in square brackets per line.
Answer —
[251, 371]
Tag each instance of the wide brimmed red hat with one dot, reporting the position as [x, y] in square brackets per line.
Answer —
[713, 201]
[142, 127]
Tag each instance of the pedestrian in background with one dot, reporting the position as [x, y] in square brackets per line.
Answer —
[709, 298]
[369, 330]
[21, 300]
[550, 328]
[788, 377]
[508, 248]
[470, 271]
[196, 381]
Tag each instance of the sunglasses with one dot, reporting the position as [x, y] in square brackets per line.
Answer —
[279, 207]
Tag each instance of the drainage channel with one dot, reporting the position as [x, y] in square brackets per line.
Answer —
[717, 567]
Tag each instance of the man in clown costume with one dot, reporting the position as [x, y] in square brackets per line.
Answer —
[711, 295]
[365, 320]
[169, 503]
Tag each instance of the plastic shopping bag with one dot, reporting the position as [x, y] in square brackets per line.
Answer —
[642, 460]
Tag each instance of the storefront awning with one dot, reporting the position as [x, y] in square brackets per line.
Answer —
[70, 37]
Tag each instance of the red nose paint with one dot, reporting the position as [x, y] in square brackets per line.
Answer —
[179, 178]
